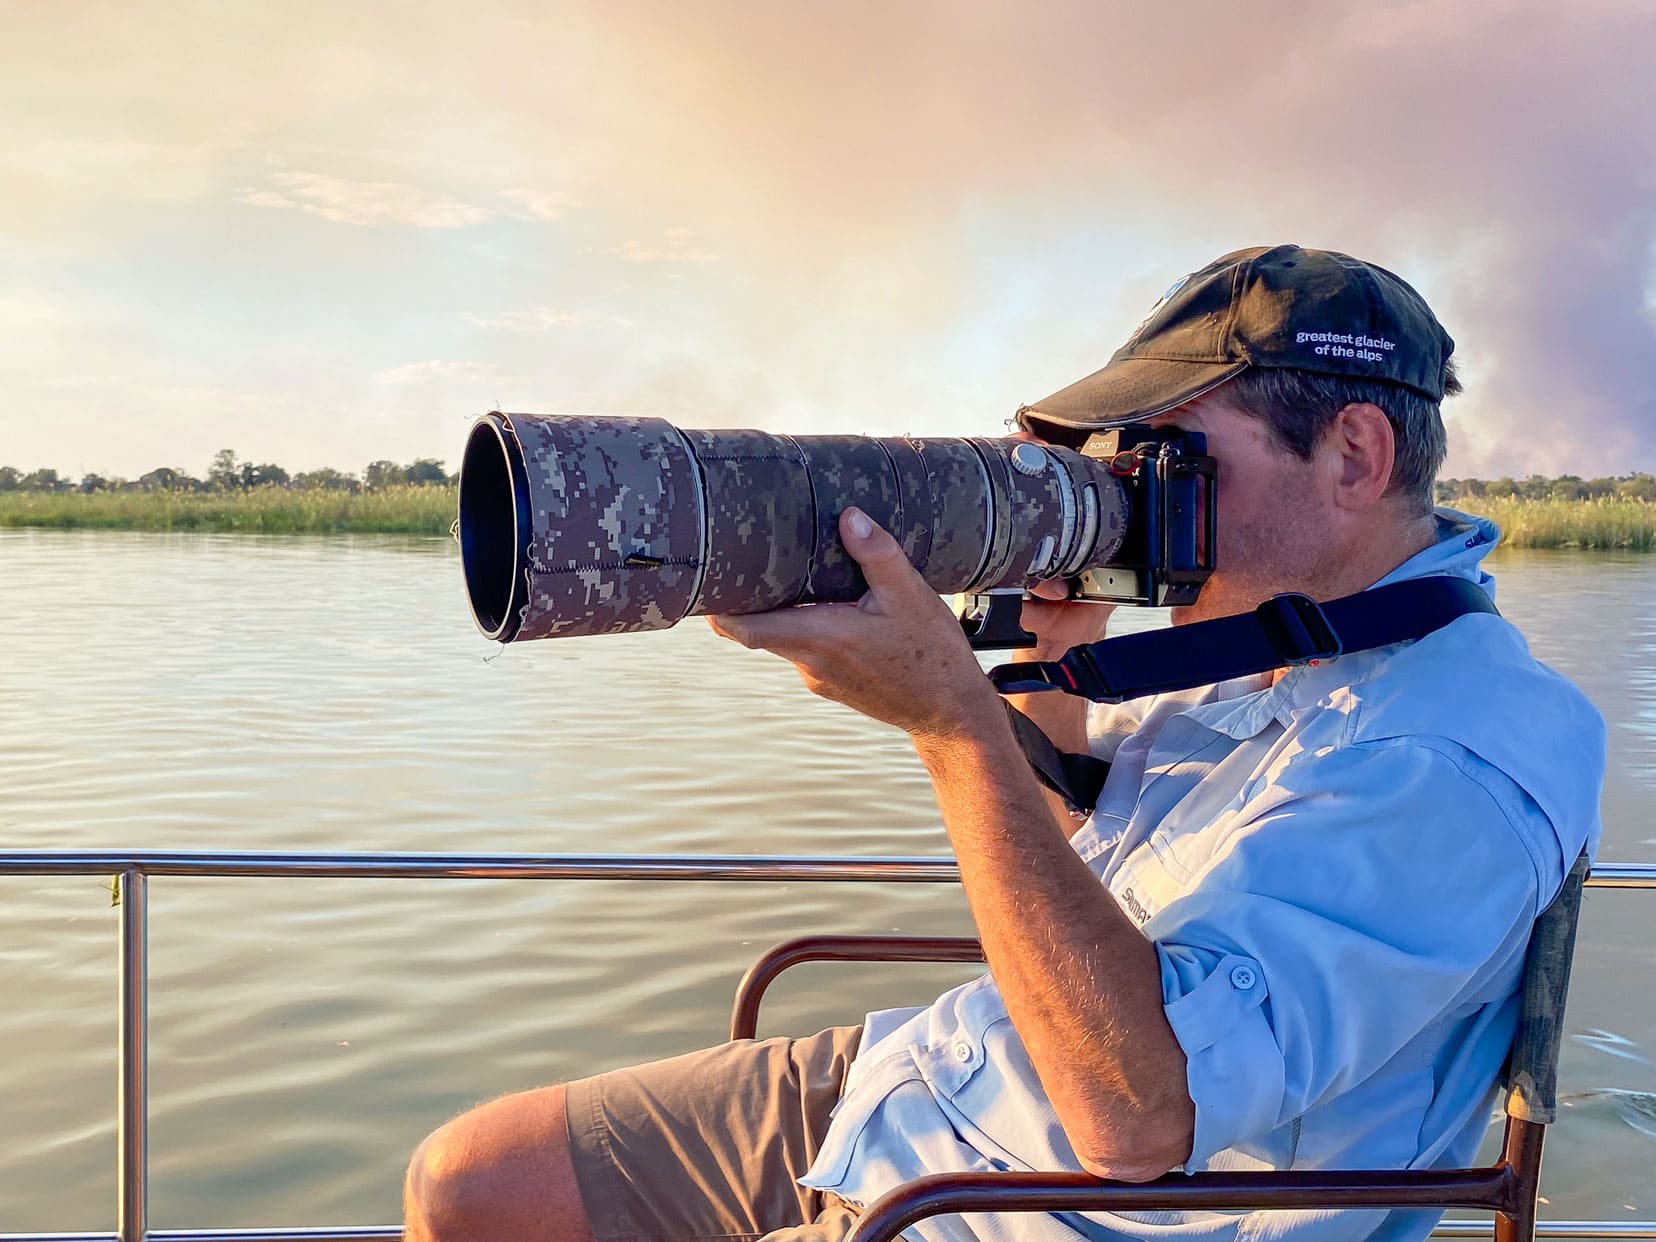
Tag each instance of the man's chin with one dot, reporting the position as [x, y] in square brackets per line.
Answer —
[1205, 608]
[1211, 604]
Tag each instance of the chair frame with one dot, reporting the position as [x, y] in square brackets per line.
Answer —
[1508, 1188]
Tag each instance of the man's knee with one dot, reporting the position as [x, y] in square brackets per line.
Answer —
[433, 1192]
[449, 1193]
[501, 1171]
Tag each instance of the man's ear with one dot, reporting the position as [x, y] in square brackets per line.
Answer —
[1363, 447]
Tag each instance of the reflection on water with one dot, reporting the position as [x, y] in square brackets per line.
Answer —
[211, 692]
[1615, 1045]
[1636, 1108]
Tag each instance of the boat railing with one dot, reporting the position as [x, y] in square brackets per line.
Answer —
[133, 870]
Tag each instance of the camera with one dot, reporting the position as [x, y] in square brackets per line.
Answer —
[582, 524]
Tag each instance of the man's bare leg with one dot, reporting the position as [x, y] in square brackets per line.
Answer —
[501, 1172]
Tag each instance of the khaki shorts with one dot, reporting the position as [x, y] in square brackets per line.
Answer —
[708, 1145]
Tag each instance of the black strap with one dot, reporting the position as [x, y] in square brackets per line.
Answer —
[1077, 779]
[1285, 630]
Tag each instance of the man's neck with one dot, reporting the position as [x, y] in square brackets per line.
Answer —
[1371, 561]
[1363, 562]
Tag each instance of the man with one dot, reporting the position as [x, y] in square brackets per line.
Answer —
[1289, 934]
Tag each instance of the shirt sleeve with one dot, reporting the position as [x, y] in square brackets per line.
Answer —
[1355, 900]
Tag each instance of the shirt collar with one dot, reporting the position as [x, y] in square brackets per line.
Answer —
[1462, 543]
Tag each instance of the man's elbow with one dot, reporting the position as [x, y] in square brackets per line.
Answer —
[1141, 1152]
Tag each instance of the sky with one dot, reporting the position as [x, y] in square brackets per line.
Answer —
[321, 234]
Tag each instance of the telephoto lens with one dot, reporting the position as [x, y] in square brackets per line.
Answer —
[577, 524]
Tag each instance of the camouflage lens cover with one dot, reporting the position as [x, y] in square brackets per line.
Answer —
[617, 529]
[761, 533]
[633, 524]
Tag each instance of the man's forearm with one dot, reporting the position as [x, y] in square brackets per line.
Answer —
[1082, 985]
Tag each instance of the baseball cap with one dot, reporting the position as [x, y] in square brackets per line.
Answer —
[1275, 306]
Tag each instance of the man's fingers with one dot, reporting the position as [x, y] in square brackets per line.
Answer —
[786, 631]
[880, 556]
[727, 627]
[1050, 588]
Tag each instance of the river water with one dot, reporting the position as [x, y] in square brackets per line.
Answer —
[229, 692]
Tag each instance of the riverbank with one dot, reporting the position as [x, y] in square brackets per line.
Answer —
[1599, 525]
[1603, 524]
[264, 510]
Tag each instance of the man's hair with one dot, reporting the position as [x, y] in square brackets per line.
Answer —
[1299, 405]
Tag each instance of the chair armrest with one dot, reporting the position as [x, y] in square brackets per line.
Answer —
[744, 1017]
[1489, 1189]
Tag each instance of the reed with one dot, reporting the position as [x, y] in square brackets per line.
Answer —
[263, 510]
[1601, 524]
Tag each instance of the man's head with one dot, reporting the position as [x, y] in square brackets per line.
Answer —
[1317, 379]
[1293, 336]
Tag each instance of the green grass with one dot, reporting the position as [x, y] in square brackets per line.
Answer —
[265, 510]
[1589, 524]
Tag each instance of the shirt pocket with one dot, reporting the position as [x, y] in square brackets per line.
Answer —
[891, 1132]
[1144, 886]
[1197, 803]
[985, 1086]
[856, 1110]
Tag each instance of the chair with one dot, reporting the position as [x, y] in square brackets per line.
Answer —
[1508, 1188]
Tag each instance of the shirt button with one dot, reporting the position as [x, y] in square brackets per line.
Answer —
[963, 1051]
[1243, 977]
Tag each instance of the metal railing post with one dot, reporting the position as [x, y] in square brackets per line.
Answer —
[132, 1089]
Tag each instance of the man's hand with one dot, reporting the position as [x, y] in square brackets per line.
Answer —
[897, 655]
[1058, 622]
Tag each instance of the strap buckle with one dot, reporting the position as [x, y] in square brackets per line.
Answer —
[1298, 629]
[1026, 678]
[1076, 673]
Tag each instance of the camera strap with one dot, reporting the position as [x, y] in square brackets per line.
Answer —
[1284, 631]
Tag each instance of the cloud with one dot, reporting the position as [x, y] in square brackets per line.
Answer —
[440, 369]
[542, 204]
[675, 246]
[369, 204]
[1514, 187]
[944, 210]
[545, 319]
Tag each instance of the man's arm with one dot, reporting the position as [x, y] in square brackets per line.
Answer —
[1081, 983]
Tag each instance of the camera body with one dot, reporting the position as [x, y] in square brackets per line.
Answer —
[1168, 552]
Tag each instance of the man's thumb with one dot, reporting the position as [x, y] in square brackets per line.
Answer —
[879, 555]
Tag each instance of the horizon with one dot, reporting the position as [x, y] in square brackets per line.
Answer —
[326, 237]
[362, 475]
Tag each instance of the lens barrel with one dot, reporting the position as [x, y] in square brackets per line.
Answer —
[577, 524]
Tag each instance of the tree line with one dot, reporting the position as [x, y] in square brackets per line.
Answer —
[229, 473]
[1638, 486]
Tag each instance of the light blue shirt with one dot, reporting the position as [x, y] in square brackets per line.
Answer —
[1339, 873]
